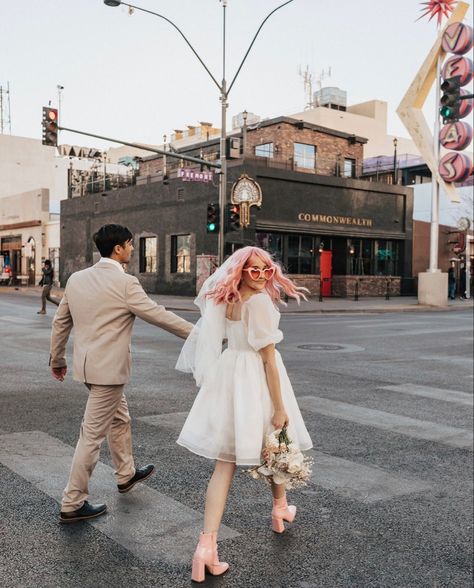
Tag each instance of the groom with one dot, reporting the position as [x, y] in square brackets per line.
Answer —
[101, 303]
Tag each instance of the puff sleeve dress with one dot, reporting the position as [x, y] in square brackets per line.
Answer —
[232, 412]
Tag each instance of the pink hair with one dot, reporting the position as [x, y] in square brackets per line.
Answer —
[227, 290]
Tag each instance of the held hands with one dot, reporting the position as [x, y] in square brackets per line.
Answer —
[280, 419]
[59, 373]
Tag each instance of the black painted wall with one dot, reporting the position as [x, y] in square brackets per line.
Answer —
[180, 208]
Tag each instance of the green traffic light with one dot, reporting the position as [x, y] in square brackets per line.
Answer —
[211, 227]
[445, 111]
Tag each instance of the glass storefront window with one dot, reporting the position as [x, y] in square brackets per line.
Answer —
[305, 156]
[271, 242]
[386, 257]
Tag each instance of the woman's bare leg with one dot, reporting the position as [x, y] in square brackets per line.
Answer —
[278, 490]
[216, 495]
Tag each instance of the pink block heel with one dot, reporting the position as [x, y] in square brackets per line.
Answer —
[207, 558]
[282, 512]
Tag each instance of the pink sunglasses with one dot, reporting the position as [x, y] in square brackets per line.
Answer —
[256, 273]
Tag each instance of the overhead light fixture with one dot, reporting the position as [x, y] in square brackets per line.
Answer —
[113, 3]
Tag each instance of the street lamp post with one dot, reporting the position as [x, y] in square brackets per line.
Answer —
[223, 93]
[395, 171]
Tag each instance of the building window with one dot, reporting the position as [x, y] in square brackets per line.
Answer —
[300, 254]
[265, 150]
[305, 156]
[148, 247]
[349, 168]
[181, 254]
[271, 242]
[386, 258]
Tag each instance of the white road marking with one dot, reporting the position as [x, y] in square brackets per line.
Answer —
[436, 393]
[346, 478]
[450, 359]
[151, 525]
[402, 425]
[361, 482]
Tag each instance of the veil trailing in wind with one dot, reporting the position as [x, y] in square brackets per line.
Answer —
[203, 347]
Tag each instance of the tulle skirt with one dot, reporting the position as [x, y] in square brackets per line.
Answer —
[232, 412]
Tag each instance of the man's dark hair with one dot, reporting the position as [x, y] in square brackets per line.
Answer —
[47, 262]
[110, 235]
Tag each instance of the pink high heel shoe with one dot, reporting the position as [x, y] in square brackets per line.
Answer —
[206, 557]
[282, 512]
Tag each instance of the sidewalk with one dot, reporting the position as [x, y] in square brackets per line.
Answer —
[329, 305]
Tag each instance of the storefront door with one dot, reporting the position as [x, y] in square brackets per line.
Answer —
[326, 273]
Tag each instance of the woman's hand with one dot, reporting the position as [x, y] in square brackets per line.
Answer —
[280, 419]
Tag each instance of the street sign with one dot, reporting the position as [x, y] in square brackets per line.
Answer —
[192, 175]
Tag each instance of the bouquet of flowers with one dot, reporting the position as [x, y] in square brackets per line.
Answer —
[282, 462]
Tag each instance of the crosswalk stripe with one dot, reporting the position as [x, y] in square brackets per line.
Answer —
[360, 482]
[428, 392]
[148, 523]
[16, 319]
[346, 478]
[450, 359]
[414, 332]
[402, 425]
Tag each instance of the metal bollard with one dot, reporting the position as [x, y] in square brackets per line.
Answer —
[320, 290]
[387, 293]
[356, 291]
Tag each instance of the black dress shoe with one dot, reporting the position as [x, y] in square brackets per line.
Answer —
[87, 511]
[141, 475]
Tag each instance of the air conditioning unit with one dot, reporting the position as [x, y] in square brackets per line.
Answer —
[233, 148]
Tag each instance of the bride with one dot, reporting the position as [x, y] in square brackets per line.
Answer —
[244, 391]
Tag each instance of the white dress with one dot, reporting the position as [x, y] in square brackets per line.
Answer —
[232, 412]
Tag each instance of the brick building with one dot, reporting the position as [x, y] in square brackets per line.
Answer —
[315, 205]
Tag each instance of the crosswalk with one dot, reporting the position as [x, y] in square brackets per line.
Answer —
[156, 527]
[148, 523]
[393, 423]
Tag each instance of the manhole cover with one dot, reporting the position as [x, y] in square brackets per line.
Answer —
[329, 347]
[321, 347]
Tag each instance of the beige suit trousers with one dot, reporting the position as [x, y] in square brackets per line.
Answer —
[106, 416]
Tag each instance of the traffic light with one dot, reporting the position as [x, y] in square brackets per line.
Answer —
[50, 126]
[233, 218]
[212, 225]
[450, 103]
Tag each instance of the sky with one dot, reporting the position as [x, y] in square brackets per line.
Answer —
[132, 77]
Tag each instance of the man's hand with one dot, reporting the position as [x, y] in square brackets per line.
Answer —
[59, 373]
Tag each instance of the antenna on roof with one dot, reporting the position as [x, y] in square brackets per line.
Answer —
[308, 86]
[5, 112]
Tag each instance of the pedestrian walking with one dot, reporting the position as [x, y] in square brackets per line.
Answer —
[452, 281]
[462, 279]
[101, 303]
[244, 391]
[47, 283]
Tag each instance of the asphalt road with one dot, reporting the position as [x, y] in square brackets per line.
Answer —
[387, 400]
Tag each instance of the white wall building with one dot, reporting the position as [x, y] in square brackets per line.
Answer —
[367, 119]
[33, 181]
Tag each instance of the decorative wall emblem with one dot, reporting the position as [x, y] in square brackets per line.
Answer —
[246, 192]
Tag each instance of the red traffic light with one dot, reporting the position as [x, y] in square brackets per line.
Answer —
[52, 114]
[50, 126]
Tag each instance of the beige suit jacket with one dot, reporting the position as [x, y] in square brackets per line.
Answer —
[101, 303]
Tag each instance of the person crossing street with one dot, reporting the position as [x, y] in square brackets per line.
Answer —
[47, 283]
